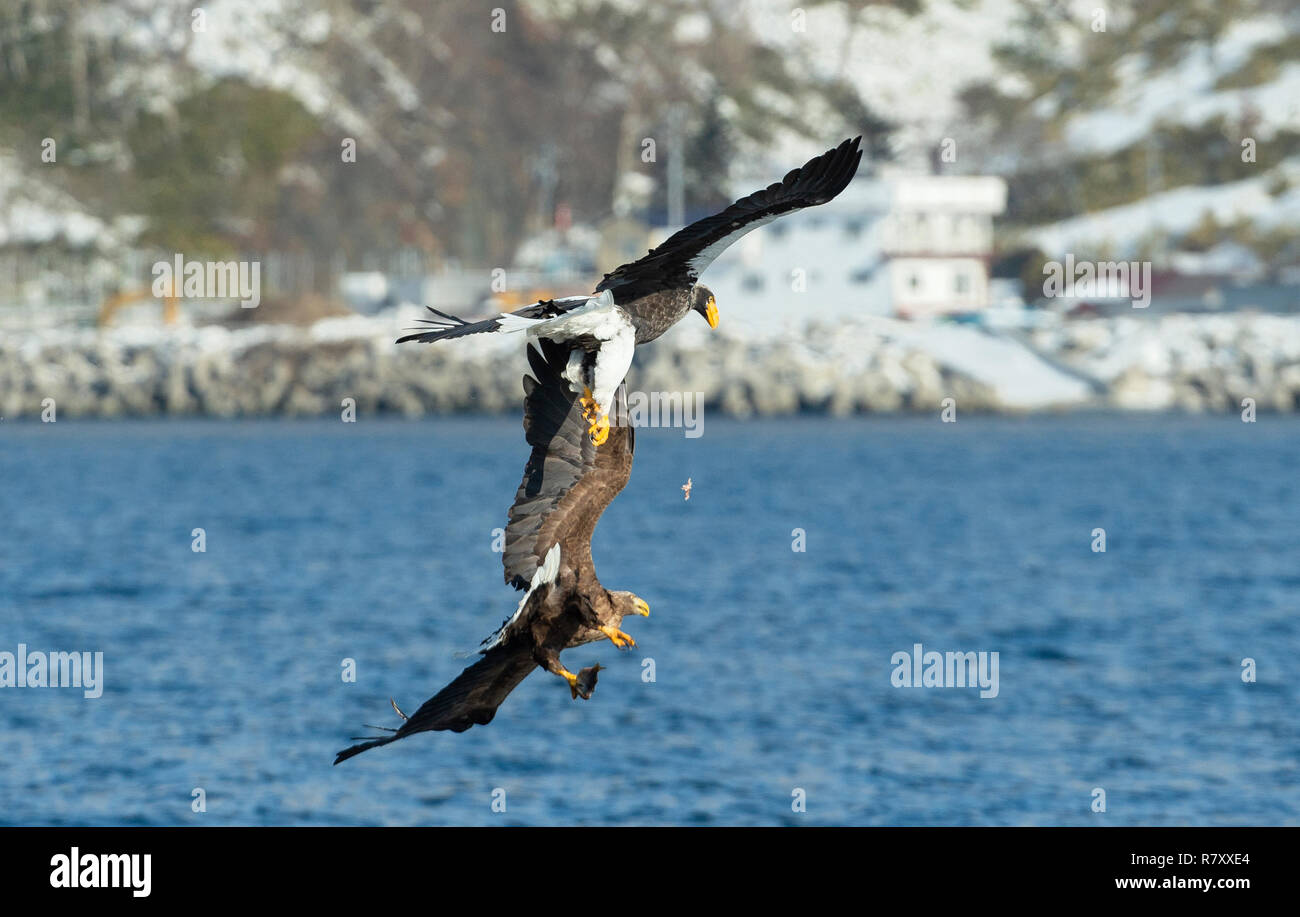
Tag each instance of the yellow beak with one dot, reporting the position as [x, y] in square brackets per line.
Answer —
[711, 313]
[642, 607]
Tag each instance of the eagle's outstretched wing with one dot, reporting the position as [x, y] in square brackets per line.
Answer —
[567, 482]
[680, 260]
[444, 326]
[472, 699]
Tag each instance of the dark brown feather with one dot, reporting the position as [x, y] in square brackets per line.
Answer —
[677, 263]
[567, 482]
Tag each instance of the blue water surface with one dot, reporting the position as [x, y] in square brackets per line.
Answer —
[771, 667]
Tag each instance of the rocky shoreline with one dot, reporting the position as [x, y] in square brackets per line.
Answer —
[1187, 363]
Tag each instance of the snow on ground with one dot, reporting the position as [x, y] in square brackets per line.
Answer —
[1185, 93]
[909, 69]
[269, 43]
[32, 212]
[1022, 379]
[1174, 211]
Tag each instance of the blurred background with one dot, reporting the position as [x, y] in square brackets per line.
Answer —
[372, 158]
[180, 487]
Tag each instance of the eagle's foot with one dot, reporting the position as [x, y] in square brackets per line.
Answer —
[597, 419]
[582, 684]
[617, 637]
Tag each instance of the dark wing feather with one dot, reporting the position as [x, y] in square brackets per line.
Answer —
[446, 326]
[471, 700]
[680, 260]
[567, 482]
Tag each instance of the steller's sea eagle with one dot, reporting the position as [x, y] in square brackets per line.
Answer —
[567, 484]
[639, 301]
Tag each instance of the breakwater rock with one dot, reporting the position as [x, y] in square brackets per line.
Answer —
[1190, 363]
[291, 371]
[1196, 363]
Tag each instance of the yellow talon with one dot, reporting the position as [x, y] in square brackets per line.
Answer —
[617, 637]
[572, 680]
[596, 417]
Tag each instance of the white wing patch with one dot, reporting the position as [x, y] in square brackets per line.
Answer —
[544, 575]
[601, 319]
[595, 319]
[573, 371]
[509, 323]
[613, 360]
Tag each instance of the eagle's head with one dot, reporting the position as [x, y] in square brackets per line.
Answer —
[629, 603]
[702, 301]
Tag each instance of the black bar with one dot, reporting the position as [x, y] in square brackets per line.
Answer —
[335, 866]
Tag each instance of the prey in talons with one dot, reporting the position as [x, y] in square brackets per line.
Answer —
[581, 684]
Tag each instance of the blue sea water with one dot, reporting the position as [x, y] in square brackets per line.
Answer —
[772, 667]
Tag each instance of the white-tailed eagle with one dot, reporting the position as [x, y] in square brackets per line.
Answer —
[567, 484]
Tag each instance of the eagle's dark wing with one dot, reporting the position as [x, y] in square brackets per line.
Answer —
[472, 699]
[567, 482]
[444, 326]
[680, 260]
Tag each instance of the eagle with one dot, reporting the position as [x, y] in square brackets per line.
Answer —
[639, 301]
[568, 481]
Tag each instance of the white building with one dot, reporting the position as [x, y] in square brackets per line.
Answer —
[938, 237]
[907, 245]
